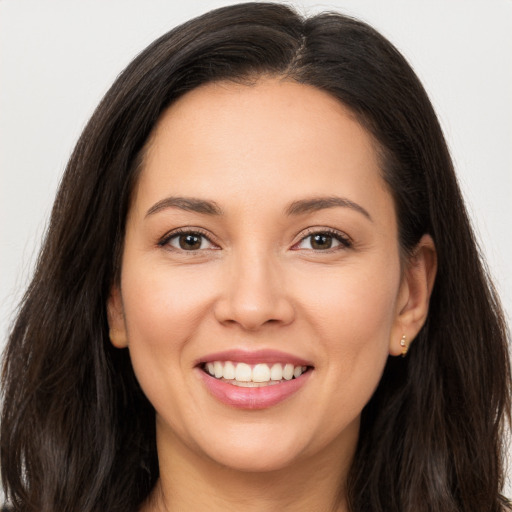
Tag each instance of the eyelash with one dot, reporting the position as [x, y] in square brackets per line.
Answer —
[345, 242]
[180, 232]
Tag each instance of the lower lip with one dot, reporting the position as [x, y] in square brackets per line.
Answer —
[253, 398]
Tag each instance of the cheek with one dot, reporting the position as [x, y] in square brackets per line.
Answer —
[163, 306]
[352, 313]
[356, 303]
[163, 310]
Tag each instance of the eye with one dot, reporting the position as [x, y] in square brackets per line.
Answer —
[188, 241]
[323, 240]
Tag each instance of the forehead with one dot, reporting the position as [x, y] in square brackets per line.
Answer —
[256, 113]
[274, 138]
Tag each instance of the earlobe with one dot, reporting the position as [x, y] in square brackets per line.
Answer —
[116, 323]
[415, 291]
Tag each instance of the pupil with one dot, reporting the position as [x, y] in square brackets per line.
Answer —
[190, 242]
[321, 241]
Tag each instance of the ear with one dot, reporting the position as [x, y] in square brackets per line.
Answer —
[414, 295]
[115, 315]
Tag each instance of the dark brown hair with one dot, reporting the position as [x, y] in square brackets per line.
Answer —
[77, 433]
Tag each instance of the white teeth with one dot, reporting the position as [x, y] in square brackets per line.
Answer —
[219, 369]
[229, 370]
[288, 372]
[257, 375]
[253, 384]
[276, 372]
[261, 373]
[243, 372]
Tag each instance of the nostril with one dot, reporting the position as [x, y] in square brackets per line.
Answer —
[252, 315]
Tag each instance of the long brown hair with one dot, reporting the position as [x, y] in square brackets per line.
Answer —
[77, 433]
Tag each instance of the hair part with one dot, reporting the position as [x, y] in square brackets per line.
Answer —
[77, 432]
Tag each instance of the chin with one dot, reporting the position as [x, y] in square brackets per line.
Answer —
[264, 459]
[257, 447]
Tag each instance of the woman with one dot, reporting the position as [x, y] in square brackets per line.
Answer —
[260, 217]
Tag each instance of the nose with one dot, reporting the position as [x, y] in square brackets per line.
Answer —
[254, 294]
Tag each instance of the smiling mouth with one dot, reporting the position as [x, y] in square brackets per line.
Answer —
[255, 375]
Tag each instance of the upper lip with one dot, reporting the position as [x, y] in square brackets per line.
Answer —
[268, 356]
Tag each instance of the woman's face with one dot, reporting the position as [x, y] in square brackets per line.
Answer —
[261, 241]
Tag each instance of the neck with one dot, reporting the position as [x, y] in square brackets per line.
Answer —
[190, 481]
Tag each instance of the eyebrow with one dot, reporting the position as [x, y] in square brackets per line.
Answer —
[190, 204]
[206, 207]
[322, 203]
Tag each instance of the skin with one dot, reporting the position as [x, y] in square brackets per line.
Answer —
[259, 283]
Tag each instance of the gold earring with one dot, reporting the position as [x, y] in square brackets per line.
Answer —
[403, 344]
[117, 339]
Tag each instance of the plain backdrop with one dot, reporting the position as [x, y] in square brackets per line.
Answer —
[58, 58]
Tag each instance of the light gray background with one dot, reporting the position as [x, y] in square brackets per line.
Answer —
[57, 59]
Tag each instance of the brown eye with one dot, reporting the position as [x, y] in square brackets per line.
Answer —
[324, 240]
[188, 241]
[321, 241]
